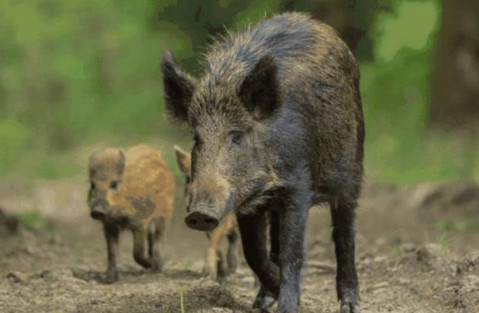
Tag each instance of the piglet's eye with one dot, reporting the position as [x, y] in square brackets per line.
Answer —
[236, 137]
[92, 185]
[113, 184]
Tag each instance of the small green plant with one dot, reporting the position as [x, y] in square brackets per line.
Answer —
[182, 305]
[444, 241]
[457, 226]
[31, 219]
[52, 230]
[187, 266]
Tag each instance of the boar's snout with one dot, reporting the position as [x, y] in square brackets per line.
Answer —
[98, 211]
[202, 219]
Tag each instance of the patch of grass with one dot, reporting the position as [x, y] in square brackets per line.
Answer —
[457, 226]
[53, 168]
[32, 219]
[444, 241]
[187, 266]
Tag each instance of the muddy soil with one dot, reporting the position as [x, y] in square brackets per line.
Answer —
[417, 251]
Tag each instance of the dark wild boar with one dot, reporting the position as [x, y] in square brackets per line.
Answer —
[135, 191]
[216, 265]
[278, 128]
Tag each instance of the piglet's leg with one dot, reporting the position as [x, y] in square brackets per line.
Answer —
[139, 238]
[111, 232]
[155, 232]
[213, 257]
[232, 257]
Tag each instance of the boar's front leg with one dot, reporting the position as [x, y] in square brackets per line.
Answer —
[111, 232]
[139, 237]
[274, 235]
[343, 215]
[291, 232]
[253, 236]
[265, 299]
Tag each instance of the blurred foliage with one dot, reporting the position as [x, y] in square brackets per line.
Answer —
[81, 71]
[396, 93]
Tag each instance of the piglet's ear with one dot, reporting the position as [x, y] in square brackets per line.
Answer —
[120, 166]
[183, 159]
[259, 91]
[178, 87]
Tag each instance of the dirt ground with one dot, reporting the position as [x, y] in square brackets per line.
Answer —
[417, 251]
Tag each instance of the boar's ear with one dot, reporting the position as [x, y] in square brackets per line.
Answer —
[183, 159]
[178, 87]
[120, 166]
[260, 89]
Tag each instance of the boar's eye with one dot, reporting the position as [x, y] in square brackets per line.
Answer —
[92, 185]
[235, 138]
[113, 184]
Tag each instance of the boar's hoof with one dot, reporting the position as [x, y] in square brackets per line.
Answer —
[111, 277]
[349, 307]
[264, 299]
[157, 267]
[201, 221]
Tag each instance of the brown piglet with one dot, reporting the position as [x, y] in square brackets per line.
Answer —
[131, 190]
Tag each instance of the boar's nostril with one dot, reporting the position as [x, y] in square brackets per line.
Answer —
[201, 221]
[209, 221]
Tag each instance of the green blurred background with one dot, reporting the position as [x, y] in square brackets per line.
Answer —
[78, 74]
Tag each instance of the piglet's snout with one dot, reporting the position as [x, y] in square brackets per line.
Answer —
[98, 211]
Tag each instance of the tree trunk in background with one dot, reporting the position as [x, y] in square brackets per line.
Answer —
[455, 77]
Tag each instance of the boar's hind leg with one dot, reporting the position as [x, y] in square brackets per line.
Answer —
[155, 232]
[253, 236]
[343, 216]
[139, 237]
[292, 225]
[112, 233]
